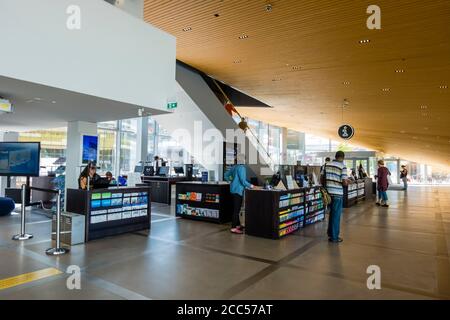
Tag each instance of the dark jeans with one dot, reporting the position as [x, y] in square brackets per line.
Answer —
[334, 221]
[237, 203]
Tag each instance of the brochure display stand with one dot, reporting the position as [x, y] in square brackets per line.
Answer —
[210, 202]
[354, 192]
[111, 211]
[274, 214]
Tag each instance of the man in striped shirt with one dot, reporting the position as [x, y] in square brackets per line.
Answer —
[334, 178]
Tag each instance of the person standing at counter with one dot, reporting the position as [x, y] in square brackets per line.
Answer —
[237, 174]
[404, 177]
[382, 184]
[361, 172]
[334, 178]
[89, 171]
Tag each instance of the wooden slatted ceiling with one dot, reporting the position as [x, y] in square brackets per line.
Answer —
[322, 38]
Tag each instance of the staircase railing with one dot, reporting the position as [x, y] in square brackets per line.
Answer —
[245, 127]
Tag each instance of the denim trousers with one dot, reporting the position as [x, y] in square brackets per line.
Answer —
[383, 196]
[334, 221]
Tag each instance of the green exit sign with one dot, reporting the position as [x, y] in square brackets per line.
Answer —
[172, 105]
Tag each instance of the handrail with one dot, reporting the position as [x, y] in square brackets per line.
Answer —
[259, 144]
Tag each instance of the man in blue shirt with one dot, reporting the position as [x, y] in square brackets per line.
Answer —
[334, 177]
[237, 174]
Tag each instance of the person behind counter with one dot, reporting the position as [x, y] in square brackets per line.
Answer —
[110, 178]
[237, 174]
[89, 171]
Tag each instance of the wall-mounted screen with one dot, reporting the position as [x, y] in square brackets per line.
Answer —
[90, 147]
[19, 159]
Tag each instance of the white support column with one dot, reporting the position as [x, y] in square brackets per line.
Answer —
[283, 145]
[7, 137]
[75, 132]
[142, 139]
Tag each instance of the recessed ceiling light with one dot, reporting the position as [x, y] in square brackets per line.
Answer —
[244, 36]
[364, 41]
[423, 107]
[53, 101]
[187, 29]
[443, 87]
[386, 89]
[399, 71]
[403, 132]
[37, 99]
[346, 83]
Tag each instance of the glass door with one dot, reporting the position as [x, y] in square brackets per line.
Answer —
[392, 165]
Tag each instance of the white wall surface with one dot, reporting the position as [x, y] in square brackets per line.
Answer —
[114, 55]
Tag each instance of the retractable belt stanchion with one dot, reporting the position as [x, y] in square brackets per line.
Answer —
[22, 235]
[58, 250]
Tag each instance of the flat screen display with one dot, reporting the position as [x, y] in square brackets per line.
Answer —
[20, 159]
[90, 147]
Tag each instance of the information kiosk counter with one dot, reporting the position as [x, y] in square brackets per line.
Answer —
[111, 211]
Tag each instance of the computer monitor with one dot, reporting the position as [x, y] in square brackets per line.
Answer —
[20, 159]
[102, 183]
[179, 170]
[163, 171]
[149, 171]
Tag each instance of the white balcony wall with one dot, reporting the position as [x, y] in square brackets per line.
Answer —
[113, 55]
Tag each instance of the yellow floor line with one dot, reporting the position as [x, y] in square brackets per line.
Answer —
[28, 277]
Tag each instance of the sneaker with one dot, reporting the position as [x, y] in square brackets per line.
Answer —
[385, 205]
[338, 240]
[378, 204]
[237, 231]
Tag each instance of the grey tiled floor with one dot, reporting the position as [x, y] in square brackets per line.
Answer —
[183, 259]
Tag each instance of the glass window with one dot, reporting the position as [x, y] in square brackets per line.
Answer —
[151, 126]
[127, 152]
[128, 138]
[274, 144]
[129, 125]
[107, 150]
[53, 144]
[316, 144]
[107, 125]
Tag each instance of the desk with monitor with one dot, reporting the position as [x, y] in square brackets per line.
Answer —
[111, 211]
[161, 187]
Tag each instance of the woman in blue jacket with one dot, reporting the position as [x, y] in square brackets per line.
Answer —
[237, 174]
